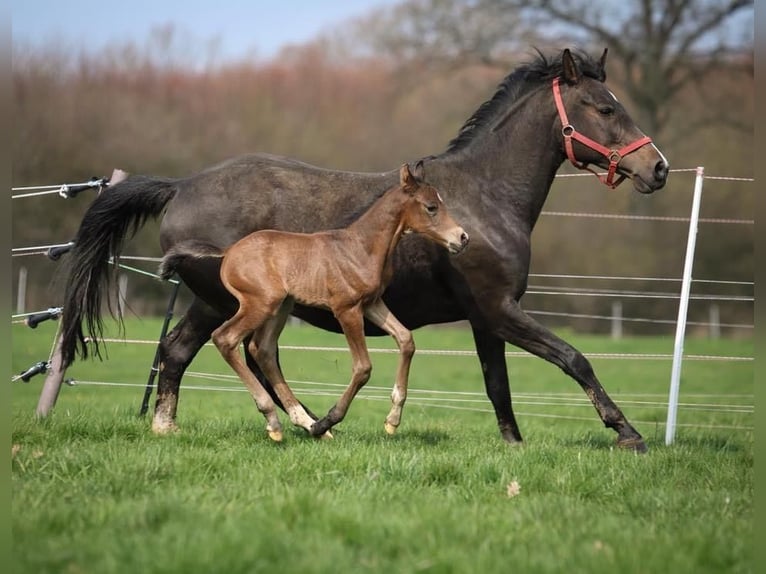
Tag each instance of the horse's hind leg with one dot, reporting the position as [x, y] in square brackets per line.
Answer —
[263, 347]
[227, 338]
[379, 314]
[521, 330]
[352, 323]
[176, 350]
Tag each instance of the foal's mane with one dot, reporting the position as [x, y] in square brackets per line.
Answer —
[516, 85]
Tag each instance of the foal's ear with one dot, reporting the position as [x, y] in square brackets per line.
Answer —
[407, 180]
[570, 71]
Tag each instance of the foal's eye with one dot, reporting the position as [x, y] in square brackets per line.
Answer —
[432, 208]
[606, 110]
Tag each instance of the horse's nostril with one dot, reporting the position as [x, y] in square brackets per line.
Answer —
[464, 238]
[661, 170]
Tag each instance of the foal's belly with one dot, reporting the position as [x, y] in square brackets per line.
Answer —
[414, 301]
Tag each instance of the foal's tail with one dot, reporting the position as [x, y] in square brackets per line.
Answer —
[114, 216]
[182, 252]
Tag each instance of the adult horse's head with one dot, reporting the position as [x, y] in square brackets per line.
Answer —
[596, 129]
[593, 128]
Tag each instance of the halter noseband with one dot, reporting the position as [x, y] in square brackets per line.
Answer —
[614, 156]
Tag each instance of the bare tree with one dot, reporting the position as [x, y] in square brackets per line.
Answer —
[450, 33]
[665, 49]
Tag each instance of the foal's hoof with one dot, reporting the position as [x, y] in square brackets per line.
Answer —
[275, 435]
[320, 428]
[635, 444]
[326, 436]
[390, 429]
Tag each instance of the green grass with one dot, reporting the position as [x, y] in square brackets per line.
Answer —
[95, 491]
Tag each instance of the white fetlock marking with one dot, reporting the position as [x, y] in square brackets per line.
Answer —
[300, 418]
[164, 427]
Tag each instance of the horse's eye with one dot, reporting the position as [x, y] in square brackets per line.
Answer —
[432, 208]
[606, 110]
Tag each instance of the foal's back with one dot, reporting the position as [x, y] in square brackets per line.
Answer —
[324, 269]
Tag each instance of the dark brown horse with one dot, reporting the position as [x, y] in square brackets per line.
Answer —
[344, 271]
[495, 176]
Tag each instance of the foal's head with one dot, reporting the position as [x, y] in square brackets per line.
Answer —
[426, 213]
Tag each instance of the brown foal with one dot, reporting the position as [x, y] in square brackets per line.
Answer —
[343, 270]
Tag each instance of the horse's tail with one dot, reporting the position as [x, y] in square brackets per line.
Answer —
[113, 217]
[183, 252]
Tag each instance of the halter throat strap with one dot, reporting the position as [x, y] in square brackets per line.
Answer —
[613, 155]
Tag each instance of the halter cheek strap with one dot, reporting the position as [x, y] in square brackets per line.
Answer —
[614, 156]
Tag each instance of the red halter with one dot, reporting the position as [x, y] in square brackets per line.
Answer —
[614, 156]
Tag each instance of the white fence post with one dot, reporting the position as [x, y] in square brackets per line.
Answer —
[21, 295]
[683, 307]
[617, 320]
[715, 321]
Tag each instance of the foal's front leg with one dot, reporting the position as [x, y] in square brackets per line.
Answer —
[352, 323]
[379, 314]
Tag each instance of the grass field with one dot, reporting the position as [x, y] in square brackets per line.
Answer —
[95, 491]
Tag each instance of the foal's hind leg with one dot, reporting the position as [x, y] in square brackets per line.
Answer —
[352, 323]
[379, 314]
[227, 339]
[253, 366]
[263, 347]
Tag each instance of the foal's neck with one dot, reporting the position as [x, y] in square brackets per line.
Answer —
[379, 229]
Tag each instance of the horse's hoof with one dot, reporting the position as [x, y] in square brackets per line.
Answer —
[164, 428]
[275, 435]
[390, 429]
[326, 436]
[635, 444]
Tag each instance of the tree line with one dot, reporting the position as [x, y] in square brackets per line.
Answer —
[394, 86]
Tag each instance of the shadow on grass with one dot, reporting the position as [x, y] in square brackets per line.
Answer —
[706, 441]
[375, 437]
[717, 443]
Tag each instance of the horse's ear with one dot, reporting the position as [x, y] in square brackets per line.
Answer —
[418, 172]
[602, 64]
[406, 180]
[570, 71]
[602, 61]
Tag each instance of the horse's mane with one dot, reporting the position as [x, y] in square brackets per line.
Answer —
[521, 81]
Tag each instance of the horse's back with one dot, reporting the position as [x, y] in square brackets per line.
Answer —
[260, 191]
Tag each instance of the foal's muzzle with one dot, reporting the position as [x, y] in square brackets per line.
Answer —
[456, 247]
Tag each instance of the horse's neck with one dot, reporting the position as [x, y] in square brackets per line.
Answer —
[515, 165]
[379, 229]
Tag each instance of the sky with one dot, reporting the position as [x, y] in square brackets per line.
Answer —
[242, 28]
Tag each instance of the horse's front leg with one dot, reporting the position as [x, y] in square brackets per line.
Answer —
[491, 351]
[352, 323]
[379, 314]
[519, 329]
[176, 350]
